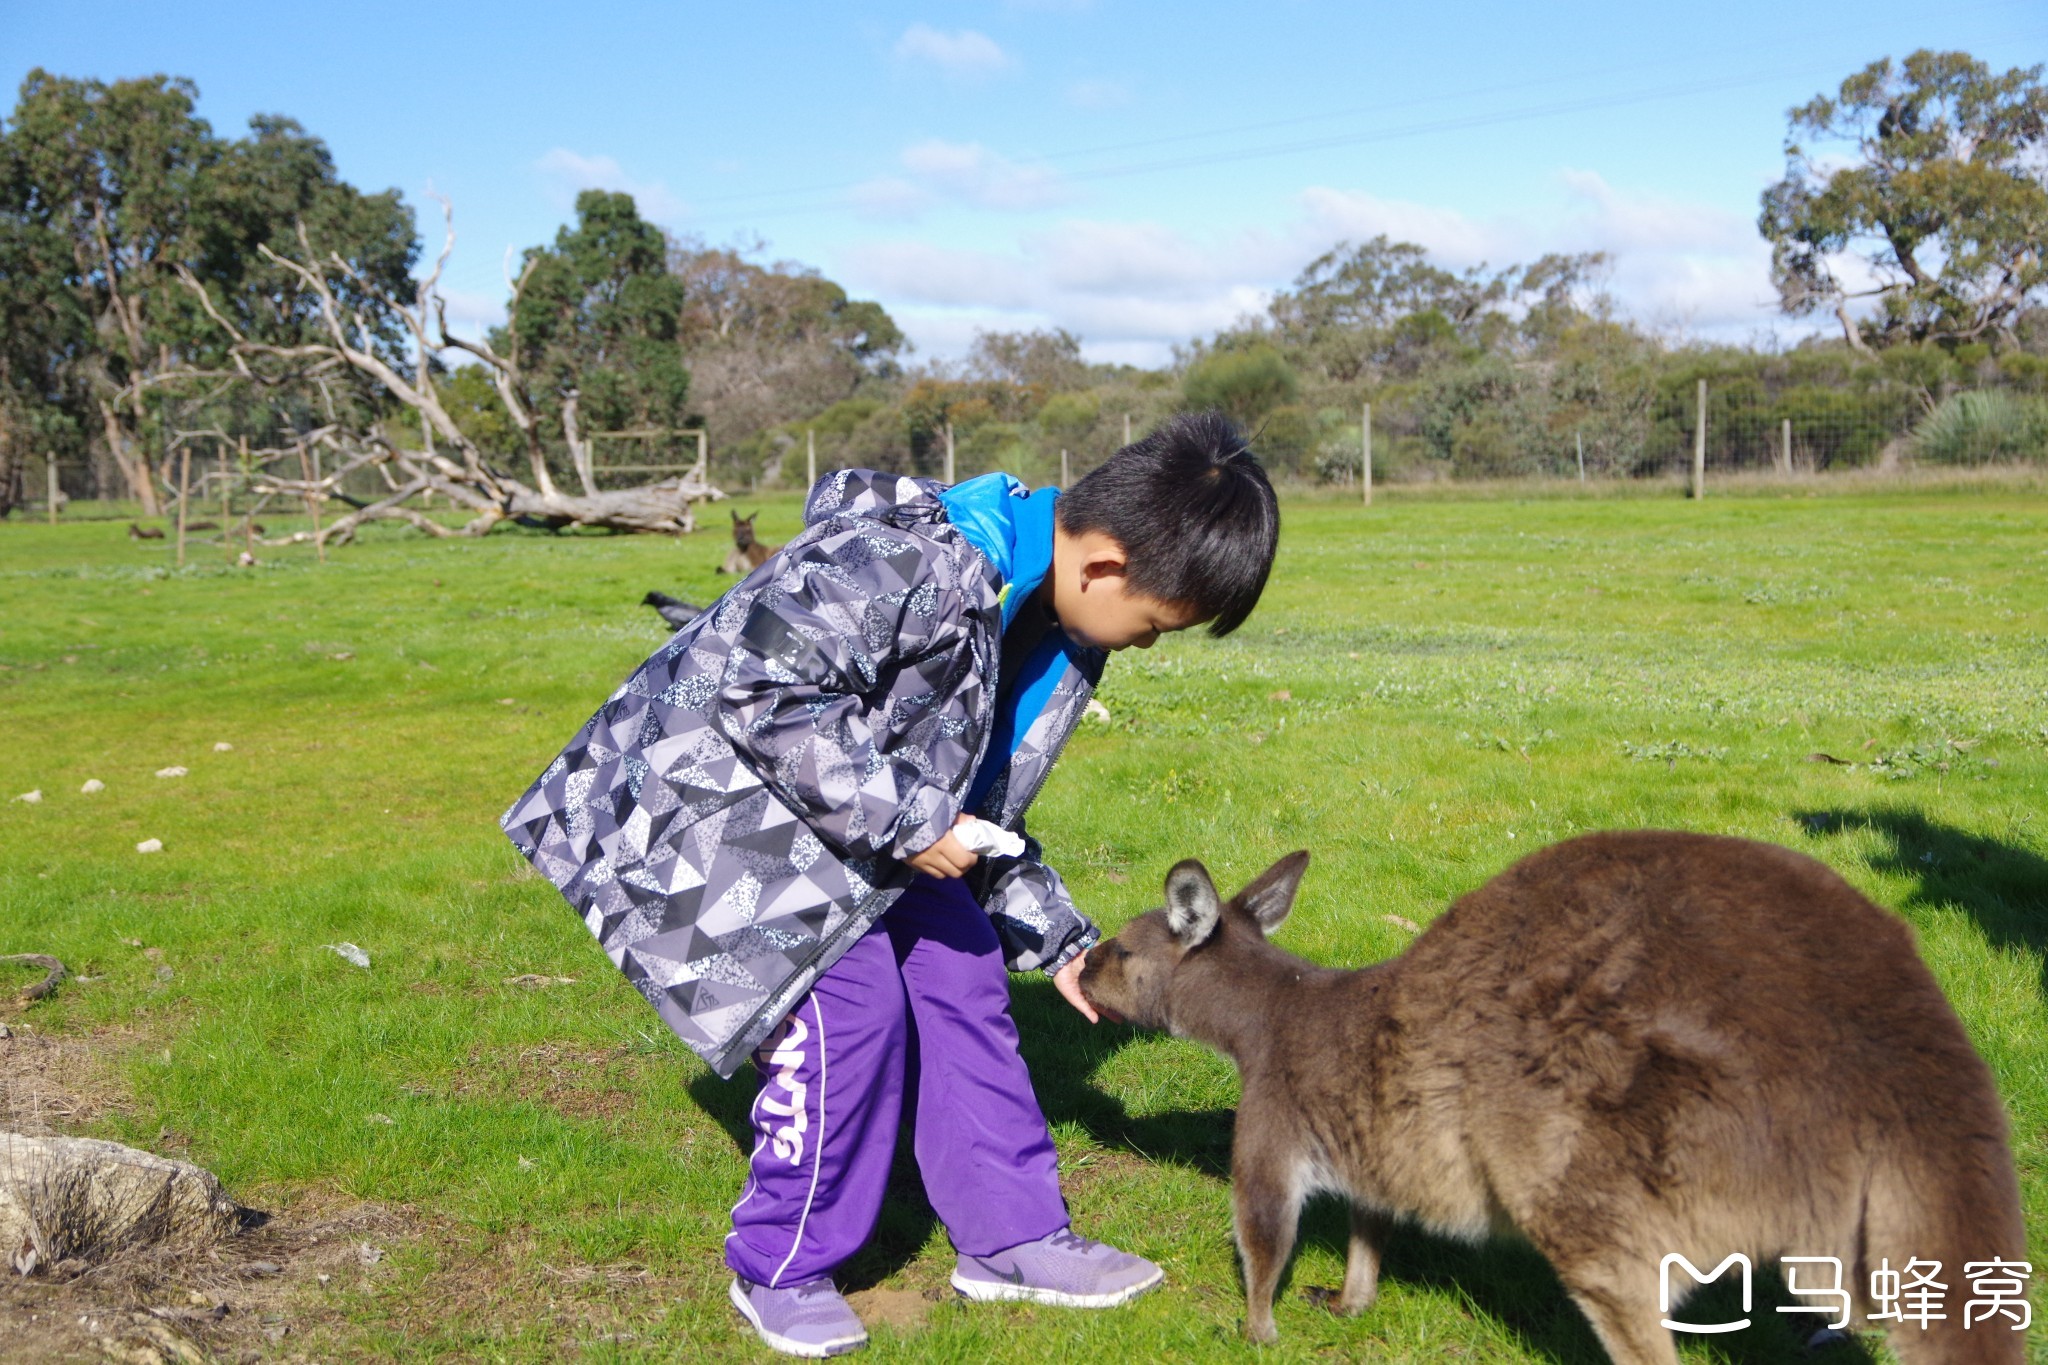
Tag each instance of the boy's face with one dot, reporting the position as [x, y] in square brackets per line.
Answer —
[1094, 604]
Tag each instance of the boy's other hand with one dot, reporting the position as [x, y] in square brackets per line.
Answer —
[948, 857]
[1068, 982]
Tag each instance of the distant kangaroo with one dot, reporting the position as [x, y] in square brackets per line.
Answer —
[1626, 1047]
[748, 554]
[143, 532]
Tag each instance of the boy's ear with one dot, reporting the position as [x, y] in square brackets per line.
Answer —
[1102, 557]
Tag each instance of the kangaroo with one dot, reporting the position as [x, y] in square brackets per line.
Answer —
[136, 532]
[1625, 1048]
[748, 554]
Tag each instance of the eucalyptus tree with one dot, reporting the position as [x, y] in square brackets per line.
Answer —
[143, 195]
[592, 328]
[1920, 186]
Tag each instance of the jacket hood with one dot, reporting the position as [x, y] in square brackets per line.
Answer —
[1013, 529]
[865, 493]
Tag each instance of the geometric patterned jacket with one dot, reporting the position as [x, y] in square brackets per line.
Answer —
[735, 817]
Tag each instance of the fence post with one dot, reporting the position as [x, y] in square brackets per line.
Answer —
[1785, 447]
[249, 517]
[51, 463]
[306, 467]
[810, 459]
[1127, 428]
[1066, 479]
[1699, 447]
[184, 488]
[1579, 441]
[1365, 454]
[949, 452]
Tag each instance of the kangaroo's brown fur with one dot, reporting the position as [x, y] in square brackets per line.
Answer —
[748, 554]
[136, 532]
[1625, 1046]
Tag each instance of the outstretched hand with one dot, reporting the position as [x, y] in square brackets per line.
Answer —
[1068, 982]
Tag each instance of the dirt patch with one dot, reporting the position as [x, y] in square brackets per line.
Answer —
[265, 1295]
[904, 1310]
[580, 1082]
[51, 1084]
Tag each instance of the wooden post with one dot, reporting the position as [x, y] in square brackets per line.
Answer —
[312, 502]
[1066, 479]
[1699, 447]
[184, 487]
[1127, 428]
[248, 517]
[1365, 455]
[949, 452]
[227, 520]
[1785, 447]
[810, 459]
[1579, 440]
[50, 461]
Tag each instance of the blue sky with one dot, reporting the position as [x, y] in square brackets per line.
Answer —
[1139, 174]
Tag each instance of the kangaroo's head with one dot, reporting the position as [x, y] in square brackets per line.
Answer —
[743, 530]
[1131, 976]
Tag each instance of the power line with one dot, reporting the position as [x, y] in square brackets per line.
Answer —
[1776, 43]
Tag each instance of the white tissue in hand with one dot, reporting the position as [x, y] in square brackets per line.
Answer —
[982, 836]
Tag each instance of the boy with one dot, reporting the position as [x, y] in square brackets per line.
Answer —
[759, 828]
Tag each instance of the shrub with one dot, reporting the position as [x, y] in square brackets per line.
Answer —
[1982, 426]
[1244, 385]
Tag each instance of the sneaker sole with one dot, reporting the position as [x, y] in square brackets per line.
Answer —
[814, 1350]
[1001, 1291]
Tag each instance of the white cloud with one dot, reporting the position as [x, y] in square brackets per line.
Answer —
[890, 196]
[971, 172]
[965, 55]
[1132, 289]
[1097, 95]
[566, 172]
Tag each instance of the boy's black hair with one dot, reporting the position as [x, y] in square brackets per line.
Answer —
[1191, 507]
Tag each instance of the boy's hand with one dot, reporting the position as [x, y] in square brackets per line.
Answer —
[948, 857]
[1068, 982]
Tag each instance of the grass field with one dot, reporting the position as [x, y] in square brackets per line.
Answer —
[1430, 690]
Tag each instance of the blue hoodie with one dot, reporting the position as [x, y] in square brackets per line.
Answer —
[1013, 529]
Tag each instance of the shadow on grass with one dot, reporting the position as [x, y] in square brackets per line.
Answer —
[2003, 887]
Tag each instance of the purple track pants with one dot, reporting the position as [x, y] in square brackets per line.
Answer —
[923, 996]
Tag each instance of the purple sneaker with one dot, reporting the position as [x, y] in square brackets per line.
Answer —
[1065, 1270]
[808, 1320]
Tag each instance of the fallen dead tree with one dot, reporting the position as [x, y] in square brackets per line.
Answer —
[450, 464]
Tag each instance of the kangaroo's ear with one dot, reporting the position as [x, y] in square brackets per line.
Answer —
[1271, 894]
[1192, 906]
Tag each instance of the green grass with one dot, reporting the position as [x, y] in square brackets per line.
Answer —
[1430, 690]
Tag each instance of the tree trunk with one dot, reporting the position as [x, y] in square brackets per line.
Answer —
[83, 1199]
[134, 472]
[1852, 333]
